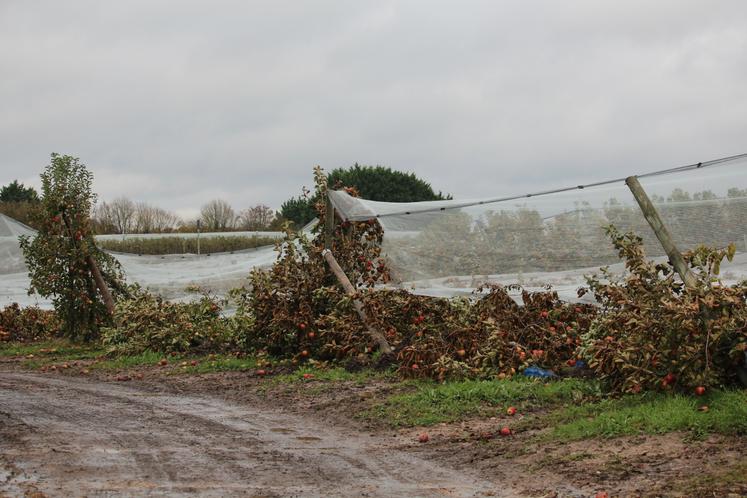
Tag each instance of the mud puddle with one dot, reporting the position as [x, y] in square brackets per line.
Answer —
[76, 437]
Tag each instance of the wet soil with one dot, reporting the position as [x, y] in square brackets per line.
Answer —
[66, 436]
[235, 434]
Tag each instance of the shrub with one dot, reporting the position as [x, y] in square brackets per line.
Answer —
[27, 324]
[301, 313]
[653, 333]
[295, 302]
[148, 323]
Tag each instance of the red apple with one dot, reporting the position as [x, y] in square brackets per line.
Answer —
[700, 390]
[511, 410]
[505, 431]
[424, 437]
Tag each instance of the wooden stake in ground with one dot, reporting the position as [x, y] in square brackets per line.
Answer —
[94, 269]
[657, 225]
[350, 291]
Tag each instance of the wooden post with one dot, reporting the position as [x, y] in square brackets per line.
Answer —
[657, 225]
[103, 289]
[329, 223]
[94, 269]
[350, 291]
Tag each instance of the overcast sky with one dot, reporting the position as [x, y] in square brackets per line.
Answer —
[176, 103]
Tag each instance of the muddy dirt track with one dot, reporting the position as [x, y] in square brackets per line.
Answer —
[79, 437]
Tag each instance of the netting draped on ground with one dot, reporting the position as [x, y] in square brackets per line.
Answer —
[452, 247]
[171, 276]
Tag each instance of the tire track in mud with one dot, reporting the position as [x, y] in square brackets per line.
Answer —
[74, 437]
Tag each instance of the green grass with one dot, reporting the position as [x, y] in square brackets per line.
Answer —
[652, 414]
[51, 351]
[433, 403]
[179, 364]
[51, 348]
[124, 362]
[219, 364]
[58, 351]
[336, 374]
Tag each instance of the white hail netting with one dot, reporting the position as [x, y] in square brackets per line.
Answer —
[170, 276]
[447, 248]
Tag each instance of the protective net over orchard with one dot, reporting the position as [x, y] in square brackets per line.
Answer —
[448, 248]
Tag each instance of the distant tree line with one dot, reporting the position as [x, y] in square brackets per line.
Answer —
[19, 202]
[521, 239]
[122, 215]
[376, 183]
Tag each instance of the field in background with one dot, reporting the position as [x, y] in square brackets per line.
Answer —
[158, 244]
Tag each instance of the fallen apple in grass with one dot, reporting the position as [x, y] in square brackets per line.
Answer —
[700, 390]
[424, 437]
[511, 410]
[505, 431]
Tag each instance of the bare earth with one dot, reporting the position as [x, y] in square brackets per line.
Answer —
[236, 434]
[67, 436]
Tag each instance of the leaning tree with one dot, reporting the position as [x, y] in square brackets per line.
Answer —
[63, 261]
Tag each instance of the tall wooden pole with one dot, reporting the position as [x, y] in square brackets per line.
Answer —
[93, 267]
[661, 232]
[376, 335]
[329, 223]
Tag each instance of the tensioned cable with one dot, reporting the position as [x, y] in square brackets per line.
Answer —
[678, 169]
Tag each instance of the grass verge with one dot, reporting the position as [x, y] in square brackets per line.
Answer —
[652, 414]
[432, 403]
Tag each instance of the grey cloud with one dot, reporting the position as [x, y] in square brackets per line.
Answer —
[174, 103]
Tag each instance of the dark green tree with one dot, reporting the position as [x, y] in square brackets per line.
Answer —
[299, 210]
[376, 183]
[58, 256]
[16, 192]
[379, 183]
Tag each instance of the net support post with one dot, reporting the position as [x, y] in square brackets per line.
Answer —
[376, 335]
[93, 267]
[329, 223]
[661, 232]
